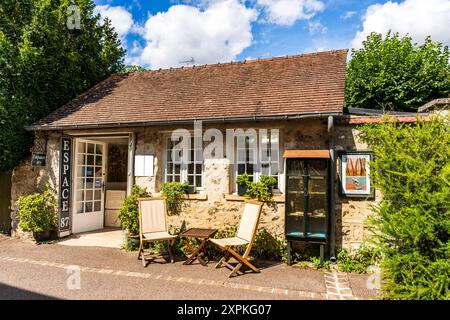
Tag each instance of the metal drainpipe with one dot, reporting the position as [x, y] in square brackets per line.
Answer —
[332, 191]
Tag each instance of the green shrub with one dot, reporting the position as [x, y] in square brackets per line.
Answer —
[268, 181]
[174, 192]
[319, 265]
[261, 190]
[268, 247]
[131, 243]
[38, 211]
[129, 213]
[243, 179]
[358, 260]
[412, 222]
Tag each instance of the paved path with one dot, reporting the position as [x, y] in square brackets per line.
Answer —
[49, 271]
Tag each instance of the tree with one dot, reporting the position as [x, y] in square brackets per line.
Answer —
[133, 68]
[396, 74]
[44, 64]
[411, 168]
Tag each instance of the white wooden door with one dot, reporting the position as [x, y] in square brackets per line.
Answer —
[89, 186]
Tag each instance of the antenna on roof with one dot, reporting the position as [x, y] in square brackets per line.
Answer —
[188, 62]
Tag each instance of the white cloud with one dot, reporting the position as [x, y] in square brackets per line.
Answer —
[287, 12]
[216, 33]
[418, 18]
[121, 19]
[316, 27]
[348, 15]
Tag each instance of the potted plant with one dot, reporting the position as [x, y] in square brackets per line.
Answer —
[269, 182]
[242, 182]
[190, 189]
[38, 213]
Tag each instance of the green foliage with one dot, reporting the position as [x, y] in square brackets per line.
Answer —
[174, 192]
[243, 179]
[269, 247]
[268, 181]
[43, 64]
[261, 190]
[319, 265]
[393, 73]
[129, 213]
[127, 69]
[358, 260]
[412, 222]
[131, 243]
[38, 211]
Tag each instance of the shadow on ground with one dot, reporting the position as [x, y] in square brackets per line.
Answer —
[12, 293]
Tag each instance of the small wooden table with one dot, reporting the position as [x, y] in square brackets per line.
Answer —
[201, 235]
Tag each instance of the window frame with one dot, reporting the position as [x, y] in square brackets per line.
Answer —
[257, 167]
[184, 169]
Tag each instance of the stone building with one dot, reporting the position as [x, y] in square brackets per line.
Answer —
[118, 133]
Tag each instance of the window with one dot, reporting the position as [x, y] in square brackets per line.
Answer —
[190, 172]
[173, 170]
[269, 154]
[245, 160]
[260, 158]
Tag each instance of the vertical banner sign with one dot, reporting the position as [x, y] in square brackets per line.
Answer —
[65, 176]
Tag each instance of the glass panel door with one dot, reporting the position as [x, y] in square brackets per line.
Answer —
[295, 198]
[317, 199]
[89, 185]
[307, 192]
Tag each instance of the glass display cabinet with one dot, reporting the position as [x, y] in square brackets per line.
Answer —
[307, 201]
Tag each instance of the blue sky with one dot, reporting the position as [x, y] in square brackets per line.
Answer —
[165, 33]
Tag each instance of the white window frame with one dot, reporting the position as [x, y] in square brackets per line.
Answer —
[273, 158]
[257, 167]
[183, 166]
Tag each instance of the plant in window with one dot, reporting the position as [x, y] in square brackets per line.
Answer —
[242, 181]
[174, 192]
[269, 181]
[129, 213]
[37, 213]
[261, 190]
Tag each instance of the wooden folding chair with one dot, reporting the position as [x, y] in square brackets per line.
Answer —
[153, 225]
[245, 236]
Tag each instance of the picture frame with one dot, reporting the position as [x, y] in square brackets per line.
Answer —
[354, 174]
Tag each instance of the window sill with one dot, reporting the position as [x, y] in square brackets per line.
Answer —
[234, 197]
[196, 196]
[199, 196]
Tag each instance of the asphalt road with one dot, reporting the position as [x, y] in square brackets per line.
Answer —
[52, 271]
[32, 280]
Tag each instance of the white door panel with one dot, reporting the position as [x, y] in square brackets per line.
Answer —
[88, 211]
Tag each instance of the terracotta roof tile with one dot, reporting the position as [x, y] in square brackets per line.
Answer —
[294, 85]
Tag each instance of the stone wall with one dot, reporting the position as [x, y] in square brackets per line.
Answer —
[218, 212]
[26, 179]
[351, 213]
[215, 208]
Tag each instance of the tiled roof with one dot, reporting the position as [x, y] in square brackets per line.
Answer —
[283, 86]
